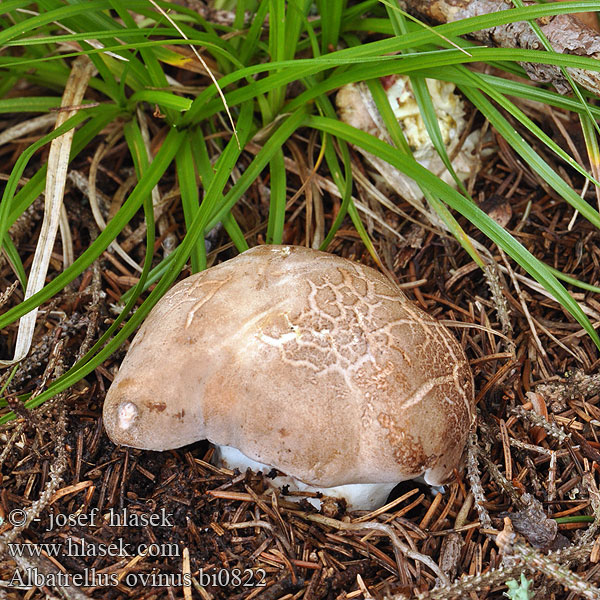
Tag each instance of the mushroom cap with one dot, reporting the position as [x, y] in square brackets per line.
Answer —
[310, 363]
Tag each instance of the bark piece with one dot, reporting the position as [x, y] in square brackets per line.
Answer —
[533, 524]
[566, 33]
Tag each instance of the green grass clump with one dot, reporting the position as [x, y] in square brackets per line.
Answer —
[270, 45]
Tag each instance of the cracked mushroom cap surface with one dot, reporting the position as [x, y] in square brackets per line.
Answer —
[310, 363]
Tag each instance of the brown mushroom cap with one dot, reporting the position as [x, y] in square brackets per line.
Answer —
[311, 363]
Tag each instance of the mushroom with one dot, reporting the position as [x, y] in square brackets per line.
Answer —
[303, 361]
[357, 108]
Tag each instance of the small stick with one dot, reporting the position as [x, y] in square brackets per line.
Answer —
[389, 531]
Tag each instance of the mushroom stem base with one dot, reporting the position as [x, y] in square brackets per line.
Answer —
[358, 496]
